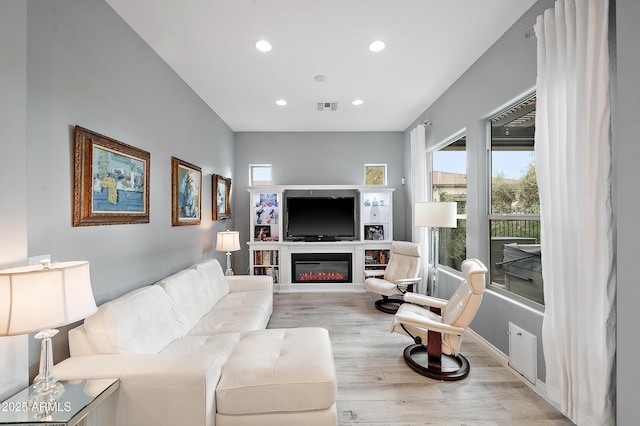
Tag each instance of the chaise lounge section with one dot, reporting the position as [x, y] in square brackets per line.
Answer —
[194, 349]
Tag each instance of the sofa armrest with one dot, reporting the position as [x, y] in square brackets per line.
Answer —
[158, 389]
[239, 283]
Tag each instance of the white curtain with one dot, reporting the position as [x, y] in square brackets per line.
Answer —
[419, 194]
[573, 166]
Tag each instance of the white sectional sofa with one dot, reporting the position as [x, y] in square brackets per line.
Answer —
[193, 349]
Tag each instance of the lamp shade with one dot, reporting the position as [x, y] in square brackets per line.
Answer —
[435, 214]
[228, 241]
[34, 298]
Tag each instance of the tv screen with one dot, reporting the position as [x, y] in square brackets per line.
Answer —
[320, 218]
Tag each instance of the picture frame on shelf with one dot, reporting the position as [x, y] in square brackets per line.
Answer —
[262, 233]
[110, 181]
[375, 174]
[374, 232]
[221, 188]
[186, 193]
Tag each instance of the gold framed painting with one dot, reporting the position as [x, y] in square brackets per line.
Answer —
[186, 193]
[375, 174]
[221, 188]
[110, 181]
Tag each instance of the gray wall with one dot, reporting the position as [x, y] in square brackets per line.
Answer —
[506, 72]
[85, 66]
[315, 158]
[627, 176]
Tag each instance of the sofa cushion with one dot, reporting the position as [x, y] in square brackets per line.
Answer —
[293, 372]
[220, 345]
[189, 298]
[214, 279]
[140, 322]
[230, 320]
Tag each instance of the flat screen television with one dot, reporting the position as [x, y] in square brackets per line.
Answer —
[320, 218]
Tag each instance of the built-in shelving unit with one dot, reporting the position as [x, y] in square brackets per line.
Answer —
[376, 258]
[271, 253]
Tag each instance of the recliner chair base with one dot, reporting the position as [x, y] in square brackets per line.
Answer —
[388, 305]
[435, 370]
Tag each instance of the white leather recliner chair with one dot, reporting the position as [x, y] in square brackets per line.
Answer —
[437, 325]
[402, 271]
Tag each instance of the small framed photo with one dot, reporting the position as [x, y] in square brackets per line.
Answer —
[262, 233]
[186, 193]
[110, 182]
[374, 232]
[375, 174]
[221, 187]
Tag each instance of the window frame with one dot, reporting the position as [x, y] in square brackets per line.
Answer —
[252, 167]
[461, 134]
[490, 216]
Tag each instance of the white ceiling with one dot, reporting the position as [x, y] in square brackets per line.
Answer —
[429, 44]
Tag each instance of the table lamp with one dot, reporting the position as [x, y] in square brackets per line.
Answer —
[228, 241]
[435, 215]
[38, 298]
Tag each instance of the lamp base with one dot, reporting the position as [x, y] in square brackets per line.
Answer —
[45, 400]
[47, 391]
[228, 271]
[44, 381]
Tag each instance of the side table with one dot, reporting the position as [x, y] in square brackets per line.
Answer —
[80, 397]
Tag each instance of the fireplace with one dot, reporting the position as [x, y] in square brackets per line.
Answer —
[321, 267]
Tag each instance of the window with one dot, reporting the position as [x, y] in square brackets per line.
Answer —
[260, 174]
[449, 183]
[514, 216]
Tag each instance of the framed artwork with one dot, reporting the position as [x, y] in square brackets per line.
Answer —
[110, 181]
[262, 233]
[221, 187]
[375, 174]
[186, 193]
[374, 232]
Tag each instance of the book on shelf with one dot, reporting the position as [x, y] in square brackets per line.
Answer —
[265, 257]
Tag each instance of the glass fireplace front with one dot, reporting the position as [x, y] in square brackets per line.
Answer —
[321, 267]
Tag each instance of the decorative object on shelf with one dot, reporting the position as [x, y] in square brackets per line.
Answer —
[262, 233]
[221, 187]
[435, 215]
[268, 206]
[259, 213]
[375, 174]
[111, 181]
[228, 241]
[38, 298]
[186, 193]
[374, 232]
[374, 215]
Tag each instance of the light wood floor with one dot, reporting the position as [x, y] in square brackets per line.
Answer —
[375, 386]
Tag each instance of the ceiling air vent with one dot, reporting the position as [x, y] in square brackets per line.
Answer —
[326, 106]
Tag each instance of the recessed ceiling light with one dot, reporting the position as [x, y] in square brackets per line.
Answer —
[357, 102]
[263, 46]
[376, 46]
[281, 102]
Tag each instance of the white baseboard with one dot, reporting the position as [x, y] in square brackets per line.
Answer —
[539, 387]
